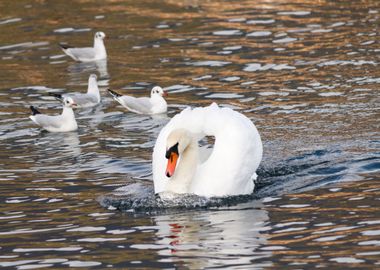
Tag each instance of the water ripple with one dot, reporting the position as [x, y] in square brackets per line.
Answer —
[306, 74]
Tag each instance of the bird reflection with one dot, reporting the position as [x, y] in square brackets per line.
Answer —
[71, 144]
[57, 151]
[77, 69]
[92, 117]
[160, 117]
[67, 143]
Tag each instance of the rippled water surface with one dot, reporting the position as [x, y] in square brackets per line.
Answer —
[306, 72]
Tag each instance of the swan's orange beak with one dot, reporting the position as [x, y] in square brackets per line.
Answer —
[172, 162]
[165, 94]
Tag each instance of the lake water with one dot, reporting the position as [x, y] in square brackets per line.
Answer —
[306, 72]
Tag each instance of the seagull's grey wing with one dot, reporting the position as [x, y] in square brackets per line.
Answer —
[47, 121]
[81, 53]
[84, 99]
[138, 105]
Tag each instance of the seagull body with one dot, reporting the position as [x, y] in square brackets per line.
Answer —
[58, 123]
[89, 99]
[156, 104]
[88, 54]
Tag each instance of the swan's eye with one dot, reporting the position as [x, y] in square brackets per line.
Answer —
[173, 149]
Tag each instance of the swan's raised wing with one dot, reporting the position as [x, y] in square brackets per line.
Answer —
[140, 105]
[237, 153]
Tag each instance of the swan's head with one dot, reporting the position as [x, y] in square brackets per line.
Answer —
[100, 35]
[176, 143]
[158, 91]
[69, 102]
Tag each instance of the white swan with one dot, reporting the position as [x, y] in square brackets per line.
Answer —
[155, 104]
[180, 165]
[88, 54]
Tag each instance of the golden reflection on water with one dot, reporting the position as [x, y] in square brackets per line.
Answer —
[325, 96]
[341, 213]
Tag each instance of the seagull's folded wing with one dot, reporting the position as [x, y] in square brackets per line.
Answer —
[138, 105]
[82, 53]
[47, 121]
[84, 99]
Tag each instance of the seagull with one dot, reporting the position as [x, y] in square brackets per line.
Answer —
[87, 54]
[58, 123]
[90, 99]
[156, 104]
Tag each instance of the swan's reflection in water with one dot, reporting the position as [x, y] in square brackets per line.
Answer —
[213, 238]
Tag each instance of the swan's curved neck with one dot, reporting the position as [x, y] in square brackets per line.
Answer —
[186, 168]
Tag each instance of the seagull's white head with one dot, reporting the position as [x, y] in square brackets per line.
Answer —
[69, 102]
[158, 91]
[100, 35]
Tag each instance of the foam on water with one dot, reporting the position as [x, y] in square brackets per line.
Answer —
[141, 198]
